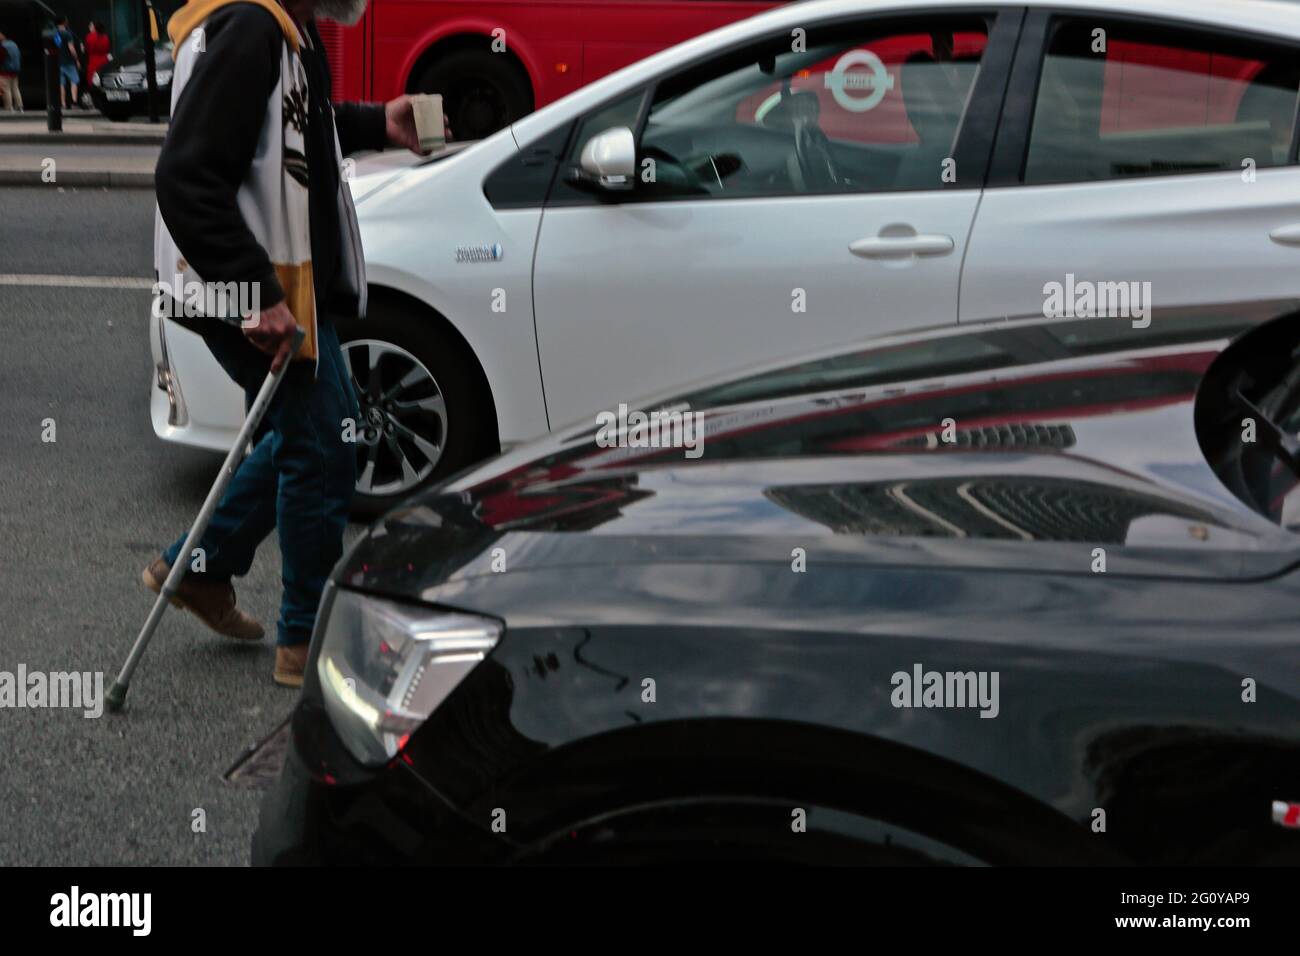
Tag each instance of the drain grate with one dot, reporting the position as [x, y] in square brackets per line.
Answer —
[258, 767]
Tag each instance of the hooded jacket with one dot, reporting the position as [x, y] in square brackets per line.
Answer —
[248, 181]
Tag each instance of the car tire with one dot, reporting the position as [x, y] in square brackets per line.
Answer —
[444, 405]
[481, 91]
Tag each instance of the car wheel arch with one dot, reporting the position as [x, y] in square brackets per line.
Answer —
[388, 298]
[625, 773]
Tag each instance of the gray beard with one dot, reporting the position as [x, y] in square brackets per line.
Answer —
[346, 12]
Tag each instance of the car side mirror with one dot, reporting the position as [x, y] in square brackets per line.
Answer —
[608, 160]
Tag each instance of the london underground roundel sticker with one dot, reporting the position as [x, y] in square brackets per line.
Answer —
[849, 88]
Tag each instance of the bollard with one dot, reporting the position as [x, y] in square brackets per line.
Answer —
[147, 17]
[53, 111]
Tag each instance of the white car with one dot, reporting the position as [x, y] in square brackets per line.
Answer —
[812, 176]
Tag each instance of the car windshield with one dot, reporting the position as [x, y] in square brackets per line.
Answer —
[949, 354]
[719, 97]
[989, 347]
[135, 50]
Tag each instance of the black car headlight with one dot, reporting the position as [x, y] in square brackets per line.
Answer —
[384, 666]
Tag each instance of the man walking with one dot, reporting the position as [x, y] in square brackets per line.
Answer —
[11, 62]
[251, 198]
[68, 61]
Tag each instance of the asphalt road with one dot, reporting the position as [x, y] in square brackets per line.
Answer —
[79, 519]
[99, 232]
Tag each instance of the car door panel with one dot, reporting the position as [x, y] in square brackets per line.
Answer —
[1199, 240]
[750, 260]
[632, 298]
[1171, 163]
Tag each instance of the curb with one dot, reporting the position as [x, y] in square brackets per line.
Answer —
[85, 139]
[113, 179]
[38, 113]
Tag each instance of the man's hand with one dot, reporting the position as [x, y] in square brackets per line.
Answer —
[271, 331]
[399, 123]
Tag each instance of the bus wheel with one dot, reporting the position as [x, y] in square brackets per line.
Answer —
[481, 91]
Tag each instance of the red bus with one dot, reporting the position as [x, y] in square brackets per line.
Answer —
[495, 61]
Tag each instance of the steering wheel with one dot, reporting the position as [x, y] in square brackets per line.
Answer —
[812, 151]
[672, 173]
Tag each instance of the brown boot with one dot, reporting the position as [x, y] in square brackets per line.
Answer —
[212, 602]
[290, 661]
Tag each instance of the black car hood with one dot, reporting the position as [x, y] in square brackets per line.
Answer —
[1054, 451]
[132, 61]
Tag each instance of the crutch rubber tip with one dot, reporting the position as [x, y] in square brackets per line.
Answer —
[116, 699]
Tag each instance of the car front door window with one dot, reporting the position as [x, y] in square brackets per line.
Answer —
[872, 108]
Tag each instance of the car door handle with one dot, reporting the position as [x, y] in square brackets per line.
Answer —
[1286, 235]
[892, 247]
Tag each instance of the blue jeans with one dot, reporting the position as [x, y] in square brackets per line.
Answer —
[299, 477]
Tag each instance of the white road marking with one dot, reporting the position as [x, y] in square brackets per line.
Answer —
[76, 282]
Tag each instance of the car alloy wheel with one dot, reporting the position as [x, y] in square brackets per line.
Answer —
[403, 426]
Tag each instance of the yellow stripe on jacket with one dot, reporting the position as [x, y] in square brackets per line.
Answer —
[184, 20]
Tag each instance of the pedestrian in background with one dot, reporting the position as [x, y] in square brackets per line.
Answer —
[66, 42]
[97, 46]
[11, 61]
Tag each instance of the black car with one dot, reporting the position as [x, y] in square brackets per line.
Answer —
[1017, 593]
[120, 89]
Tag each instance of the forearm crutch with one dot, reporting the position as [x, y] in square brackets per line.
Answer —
[117, 693]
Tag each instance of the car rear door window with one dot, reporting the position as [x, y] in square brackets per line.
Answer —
[1122, 99]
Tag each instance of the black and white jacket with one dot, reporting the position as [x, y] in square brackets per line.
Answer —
[249, 181]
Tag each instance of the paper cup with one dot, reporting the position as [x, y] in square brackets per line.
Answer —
[428, 120]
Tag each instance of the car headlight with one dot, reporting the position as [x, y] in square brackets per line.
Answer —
[163, 77]
[95, 81]
[384, 666]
